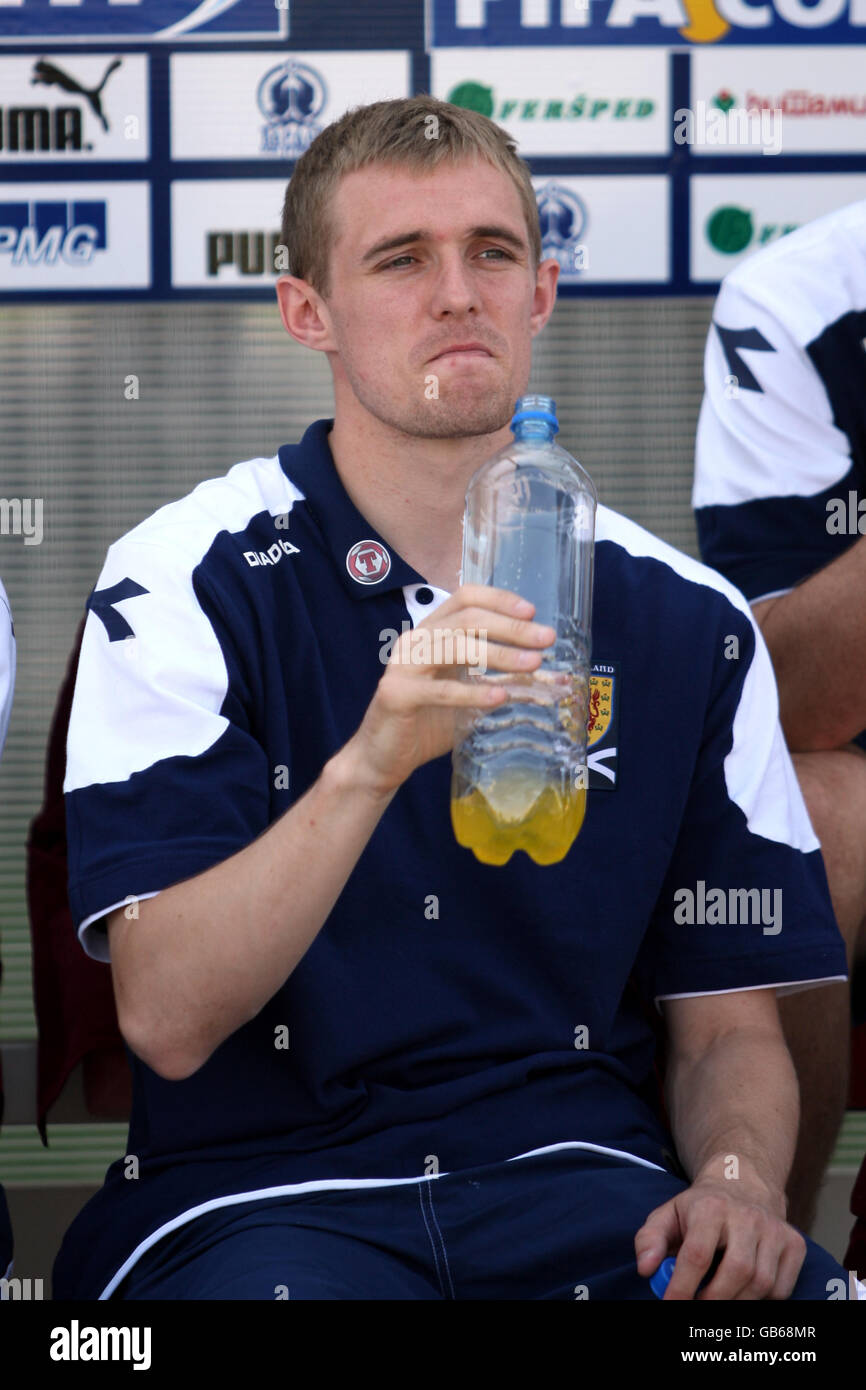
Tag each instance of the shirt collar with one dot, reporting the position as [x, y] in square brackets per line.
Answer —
[366, 563]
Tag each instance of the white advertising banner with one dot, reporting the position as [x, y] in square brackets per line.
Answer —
[563, 101]
[602, 229]
[69, 107]
[779, 100]
[733, 215]
[225, 232]
[267, 106]
[74, 236]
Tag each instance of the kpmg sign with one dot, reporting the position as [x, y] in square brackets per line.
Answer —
[142, 21]
[673, 23]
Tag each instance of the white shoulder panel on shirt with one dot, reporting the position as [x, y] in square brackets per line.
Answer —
[157, 694]
[759, 774]
[812, 276]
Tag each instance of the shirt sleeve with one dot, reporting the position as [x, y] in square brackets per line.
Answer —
[7, 665]
[164, 776]
[745, 902]
[768, 457]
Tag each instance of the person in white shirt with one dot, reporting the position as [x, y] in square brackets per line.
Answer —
[780, 505]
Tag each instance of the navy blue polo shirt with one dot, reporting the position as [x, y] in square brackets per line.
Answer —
[448, 1013]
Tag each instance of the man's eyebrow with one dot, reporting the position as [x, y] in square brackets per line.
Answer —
[492, 230]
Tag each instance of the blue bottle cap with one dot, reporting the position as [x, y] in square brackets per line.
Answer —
[662, 1276]
[535, 407]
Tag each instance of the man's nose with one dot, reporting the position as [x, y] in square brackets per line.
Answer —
[454, 288]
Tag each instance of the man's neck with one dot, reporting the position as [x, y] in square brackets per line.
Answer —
[412, 489]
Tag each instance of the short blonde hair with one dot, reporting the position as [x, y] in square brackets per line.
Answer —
[390, 133]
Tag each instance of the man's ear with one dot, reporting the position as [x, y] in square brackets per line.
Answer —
[304, 314]
[544, 299]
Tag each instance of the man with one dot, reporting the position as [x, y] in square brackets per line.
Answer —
[7, 688]
[780, 499]
[365, 1065]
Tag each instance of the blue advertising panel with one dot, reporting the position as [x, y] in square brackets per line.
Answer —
[149, 21]
[672, 23]
[145, 145]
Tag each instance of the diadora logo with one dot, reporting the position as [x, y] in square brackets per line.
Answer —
[272, 555]
[44, 233]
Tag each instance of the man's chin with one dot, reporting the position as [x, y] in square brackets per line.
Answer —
[461, 416]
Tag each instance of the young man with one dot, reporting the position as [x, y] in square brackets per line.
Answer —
[780, 498]
[365, 1065]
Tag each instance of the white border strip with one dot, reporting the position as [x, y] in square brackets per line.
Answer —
[325, 1184]
[790, 987]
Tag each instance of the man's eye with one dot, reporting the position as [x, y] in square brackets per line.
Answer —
[389, 265]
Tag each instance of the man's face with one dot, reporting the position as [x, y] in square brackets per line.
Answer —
[421, 263]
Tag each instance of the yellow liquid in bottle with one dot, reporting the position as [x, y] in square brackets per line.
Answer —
[546, 831]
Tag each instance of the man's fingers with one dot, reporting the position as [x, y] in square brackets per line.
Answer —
[502, 615]
[657, 1235]
[487, 597]
[407, 697]
[748, 1260]
[502, 627]
[704, 1227]
[789, 1267]
[442, 647]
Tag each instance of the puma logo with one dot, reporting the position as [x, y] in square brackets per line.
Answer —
[49, 75]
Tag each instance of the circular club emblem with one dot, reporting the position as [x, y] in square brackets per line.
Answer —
[368, 562]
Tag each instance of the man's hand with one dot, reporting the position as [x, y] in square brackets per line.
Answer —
[413, 714]
[762, 1254]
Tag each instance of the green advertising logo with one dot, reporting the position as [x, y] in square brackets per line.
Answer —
[474, 96]
[730, 230]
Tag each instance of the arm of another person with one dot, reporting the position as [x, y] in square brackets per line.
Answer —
[816, 635]
[733, 1101]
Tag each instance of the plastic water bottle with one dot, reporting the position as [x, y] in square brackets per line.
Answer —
[519, 771]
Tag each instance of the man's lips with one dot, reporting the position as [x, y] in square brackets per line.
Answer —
[471, 351]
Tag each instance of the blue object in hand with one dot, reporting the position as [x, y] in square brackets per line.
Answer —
[662, 1276]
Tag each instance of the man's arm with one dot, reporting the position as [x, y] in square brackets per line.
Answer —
[205, 955]
[733, 1099]
[816, 634]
